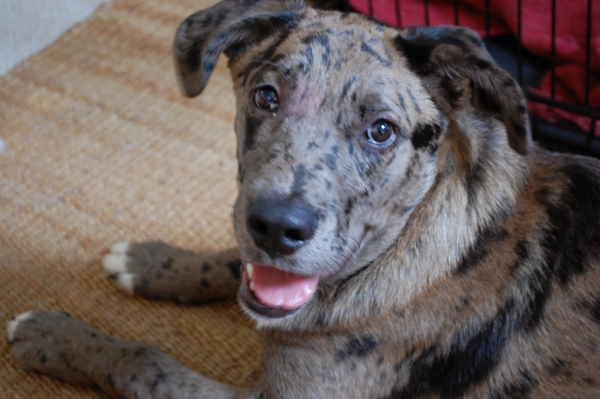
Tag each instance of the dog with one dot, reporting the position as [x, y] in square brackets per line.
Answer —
[400, 236]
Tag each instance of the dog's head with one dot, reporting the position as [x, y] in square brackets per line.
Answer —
[339, 127]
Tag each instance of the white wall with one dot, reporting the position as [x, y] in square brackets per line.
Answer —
[27, 26]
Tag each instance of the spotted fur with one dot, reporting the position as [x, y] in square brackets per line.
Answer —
[456, 259]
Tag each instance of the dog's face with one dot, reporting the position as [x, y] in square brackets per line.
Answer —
[338, 134]
[328, 171]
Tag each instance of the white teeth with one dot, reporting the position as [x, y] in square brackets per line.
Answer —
[251, 285]
[249, 270]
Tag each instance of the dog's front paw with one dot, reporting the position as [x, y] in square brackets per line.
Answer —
[52, 343]
[150, 269]
[157, 270]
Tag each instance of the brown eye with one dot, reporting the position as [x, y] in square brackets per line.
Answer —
[266, 99]
[381, 132]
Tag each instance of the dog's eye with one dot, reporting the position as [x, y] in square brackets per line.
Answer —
[381, 132]
[266, 99]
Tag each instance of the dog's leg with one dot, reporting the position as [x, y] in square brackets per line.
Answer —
[156, 270]
[62, 347]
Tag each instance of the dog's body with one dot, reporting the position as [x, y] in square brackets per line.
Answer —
[393, 244]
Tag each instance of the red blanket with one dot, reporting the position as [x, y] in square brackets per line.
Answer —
[536, 35]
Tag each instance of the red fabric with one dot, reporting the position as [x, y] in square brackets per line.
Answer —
[536, 35]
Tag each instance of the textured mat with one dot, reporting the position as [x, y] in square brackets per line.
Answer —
[100, 147]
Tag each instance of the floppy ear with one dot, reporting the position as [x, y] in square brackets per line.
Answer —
[230, 26]
[456, 68]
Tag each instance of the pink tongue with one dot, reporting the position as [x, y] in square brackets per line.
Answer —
[278, 289]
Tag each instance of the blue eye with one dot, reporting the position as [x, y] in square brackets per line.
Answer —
[381, 132]
[266, 98]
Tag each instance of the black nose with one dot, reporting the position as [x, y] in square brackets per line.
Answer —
[281, 226]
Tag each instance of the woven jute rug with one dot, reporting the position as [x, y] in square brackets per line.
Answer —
[100, 147]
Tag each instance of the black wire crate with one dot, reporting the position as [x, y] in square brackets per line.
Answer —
[551, 47]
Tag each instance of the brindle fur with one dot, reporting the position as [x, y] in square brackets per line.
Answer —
[462, 261]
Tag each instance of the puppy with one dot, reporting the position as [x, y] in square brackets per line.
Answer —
[399, 234]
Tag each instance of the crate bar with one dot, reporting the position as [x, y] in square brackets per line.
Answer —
[426, 4]
[588, 72]
[588, 53]
[520, 46]
[553, 53]
[487, 18]
[398, 16]
[456, 18]
[370, 2]
[571, 139]
[576, 109]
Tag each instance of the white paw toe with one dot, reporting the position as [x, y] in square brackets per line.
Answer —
[120, 248]
[115, 263]
[125, 282]
[14, 323]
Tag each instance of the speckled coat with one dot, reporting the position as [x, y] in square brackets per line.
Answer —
[455, 258]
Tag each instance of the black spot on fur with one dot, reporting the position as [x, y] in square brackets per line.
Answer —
[204, 283]
[519, 389]
[252, 126]
[168, 263]
[454, 94]
[471, 359]
[348, 207]
[234, 268]
[474, 180]
[342, 284]
[521, 109]
[193, 56]
[317, 38]
[266, 55]
[518, 127]
[594, 308]
[488, 100]
[539, 286]
[419, 43]
[331, 161]
[402, 102]
[206, 267]
[483, 64]
[347, 86]
[43, 359]
[485, 239]
[509, 83]
[560, 367]
[255, 30]
[574, 230]
[414, 101]
[398, 366]
[159, 378]
[299, 179]
[110, 381]
[522, 250]
[357, 347]
[362, 110]
[590, 381]
[369, 50]
[425, 136]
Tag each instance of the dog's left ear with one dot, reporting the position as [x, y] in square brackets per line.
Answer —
[230, 27]
[456, 68]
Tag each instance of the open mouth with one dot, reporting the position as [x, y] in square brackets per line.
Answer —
[275, 293]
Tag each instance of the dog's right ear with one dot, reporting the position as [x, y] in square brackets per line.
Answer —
[229, 27]
[456, 67]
